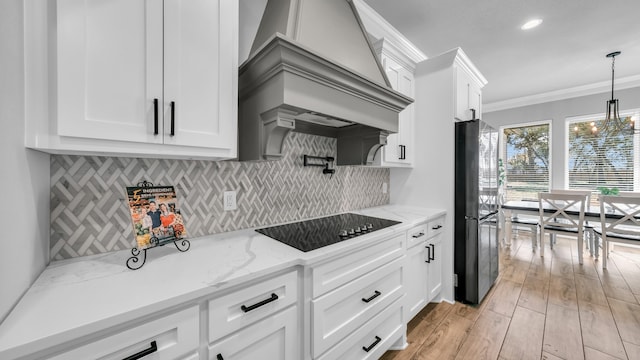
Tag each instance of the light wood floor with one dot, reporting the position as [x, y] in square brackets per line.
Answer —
[540, 308]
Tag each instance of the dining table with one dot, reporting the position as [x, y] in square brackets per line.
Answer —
[514, 208]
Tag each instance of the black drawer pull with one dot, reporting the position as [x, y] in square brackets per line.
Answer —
[428, 254]
[432, 253]
[273, 297]
[375, 295]
[368, 348]
[437, 227]
[155, 116]
[173, 118]
[153, 348]
[420, 234]
[219, 357]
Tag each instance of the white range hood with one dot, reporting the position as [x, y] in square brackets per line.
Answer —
[312, 69]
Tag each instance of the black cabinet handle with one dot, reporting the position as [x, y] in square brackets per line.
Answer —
[403, 152]
[420, 234]
[273, 297]
[173, 118]
[375, 295]
[219, 357]
[437, 227]
[155, 116]
[368, 348]
[428, 254]
[152, 348]
[432, 253]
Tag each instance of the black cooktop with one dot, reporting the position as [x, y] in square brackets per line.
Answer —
[313, 234]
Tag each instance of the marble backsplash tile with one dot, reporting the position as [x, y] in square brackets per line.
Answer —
[89, 214]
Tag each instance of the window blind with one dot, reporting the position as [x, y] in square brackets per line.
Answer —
[607, 157]
[526, 161]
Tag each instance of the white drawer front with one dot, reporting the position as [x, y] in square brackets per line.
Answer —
[329, 276]
[226, 313]
[435, 227]
[387, 326]
[176, 337]
[340, 312]
[274, 338]
[416, 235]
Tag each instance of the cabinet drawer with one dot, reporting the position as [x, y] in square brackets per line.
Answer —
[416, 235]
[243, 307]
[274, 338]
[435, 227]
[176, 336]
[387, 326]
[340, 312]
[330, 275]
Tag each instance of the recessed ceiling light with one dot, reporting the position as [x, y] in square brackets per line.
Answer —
[531, 24]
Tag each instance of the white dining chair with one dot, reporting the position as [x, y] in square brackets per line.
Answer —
[554, 219]
[623, 226]
[589, 234]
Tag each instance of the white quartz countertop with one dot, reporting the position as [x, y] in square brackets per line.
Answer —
[75, 297]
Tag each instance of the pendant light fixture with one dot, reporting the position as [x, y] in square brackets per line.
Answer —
[612, 122]
[612, 105]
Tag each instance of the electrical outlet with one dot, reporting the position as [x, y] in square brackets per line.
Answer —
[384, 188]
[229, 200]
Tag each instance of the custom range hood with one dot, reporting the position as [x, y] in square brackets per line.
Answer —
[312, 69]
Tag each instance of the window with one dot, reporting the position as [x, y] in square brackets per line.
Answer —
[604, 156]
[525, 157]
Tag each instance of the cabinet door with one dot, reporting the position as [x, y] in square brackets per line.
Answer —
[416, 281]
[399, 148]
[461, 100]
[475, 99]
[109, 69]
[199, 73]
[275, 338]
[435, 267]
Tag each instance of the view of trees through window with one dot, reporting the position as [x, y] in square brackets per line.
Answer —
[602, 154]
[526, 161]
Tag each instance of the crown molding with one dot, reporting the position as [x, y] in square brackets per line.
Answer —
[380, 28]
[584, 90]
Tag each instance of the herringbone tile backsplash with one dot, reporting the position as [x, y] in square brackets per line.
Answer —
[89, 214]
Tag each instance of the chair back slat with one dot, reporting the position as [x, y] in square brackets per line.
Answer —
[627, 207]
[553, 211]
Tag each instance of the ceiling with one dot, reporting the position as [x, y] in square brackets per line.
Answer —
[566, 51]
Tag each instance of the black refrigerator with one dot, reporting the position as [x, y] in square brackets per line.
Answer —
[475, 210]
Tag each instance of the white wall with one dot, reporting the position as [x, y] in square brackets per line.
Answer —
[557, 112]
[24, 244]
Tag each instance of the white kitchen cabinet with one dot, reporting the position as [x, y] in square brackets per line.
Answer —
[175, 336]
[248, 304]
[424, 266]
[468, 99]
[416, 281]
[435, 234]
[399, 67]
[349, 291]
[143, 78]
[275, 337]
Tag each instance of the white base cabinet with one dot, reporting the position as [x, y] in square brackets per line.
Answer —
[275, 338]
[424, 266]
[175, 336]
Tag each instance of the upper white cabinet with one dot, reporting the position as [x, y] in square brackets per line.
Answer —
[468, 83]
[146, 78]
[468, 99]
[399, 68]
